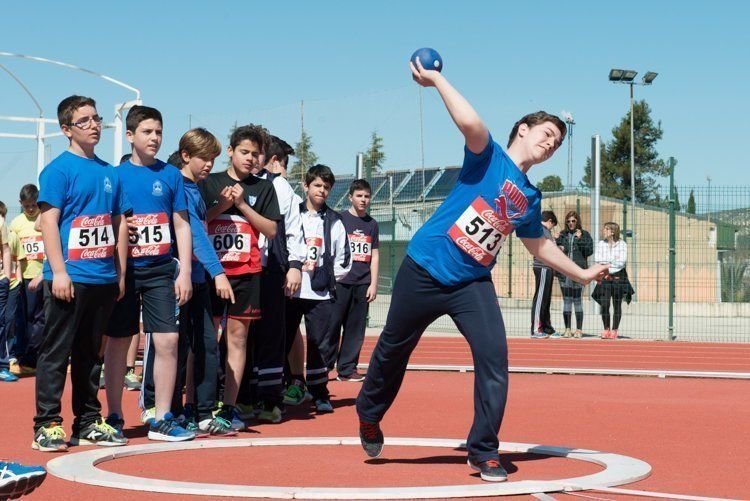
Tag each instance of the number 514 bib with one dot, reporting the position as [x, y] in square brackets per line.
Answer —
[480, 232]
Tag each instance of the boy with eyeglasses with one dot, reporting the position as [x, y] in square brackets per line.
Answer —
[85, 240]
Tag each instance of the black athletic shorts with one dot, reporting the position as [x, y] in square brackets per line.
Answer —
[152, 290]
[246, 298]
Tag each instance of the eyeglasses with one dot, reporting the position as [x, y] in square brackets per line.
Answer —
[572, 221]
[88, 122]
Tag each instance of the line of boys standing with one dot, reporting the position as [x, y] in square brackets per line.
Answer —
[143, 236]
[21, 295]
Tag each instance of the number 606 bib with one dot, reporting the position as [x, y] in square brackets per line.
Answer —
[231, 237]
[480, 232]
[91, 237]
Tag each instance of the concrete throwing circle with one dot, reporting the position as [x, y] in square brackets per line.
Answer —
[81, 467]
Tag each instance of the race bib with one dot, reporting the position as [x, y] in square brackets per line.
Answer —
[231, 237]
[153, 236]
[91, 237]
[33, 247]
[361, 247]
[314, 250]
[480, 232]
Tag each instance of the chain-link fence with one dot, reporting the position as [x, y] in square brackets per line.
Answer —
[710, 276]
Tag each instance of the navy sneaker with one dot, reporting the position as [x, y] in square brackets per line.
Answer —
[116, 422]
[17, 480]
[371, 438]
[490, 470]
[168, 430]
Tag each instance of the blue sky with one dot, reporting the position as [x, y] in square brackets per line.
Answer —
[216, 63]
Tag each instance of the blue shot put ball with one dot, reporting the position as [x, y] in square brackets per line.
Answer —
[429, 58]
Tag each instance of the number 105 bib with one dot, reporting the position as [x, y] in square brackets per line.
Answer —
[480, 232]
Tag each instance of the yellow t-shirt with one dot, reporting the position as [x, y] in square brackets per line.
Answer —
[3, 240]
[16, 254]
[31, 243]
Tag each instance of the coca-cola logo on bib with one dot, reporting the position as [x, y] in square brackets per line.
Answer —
[97, 253]
[226, 228]
[91, 222]
[146, 219]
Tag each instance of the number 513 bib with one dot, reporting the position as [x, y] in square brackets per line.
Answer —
[480, 232]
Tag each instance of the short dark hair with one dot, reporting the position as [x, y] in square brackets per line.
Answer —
[29, 192]
[548, 215]
[138, 114]
[125, 157]
[279, 148]
[175, 159]
[3, 209]
[320, 171]
[359, 184]
[537, 118]
[68, 107]
[251, 132]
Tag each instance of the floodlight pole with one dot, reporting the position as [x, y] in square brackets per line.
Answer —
[632, 189]
[627, 77]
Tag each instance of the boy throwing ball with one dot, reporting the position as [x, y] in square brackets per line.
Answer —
[447, 270]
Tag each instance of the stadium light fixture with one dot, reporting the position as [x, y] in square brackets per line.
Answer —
[649, 77]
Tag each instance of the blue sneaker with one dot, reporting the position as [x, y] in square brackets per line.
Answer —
[17, 480]
[7, 376]
[169, 430]
[539, 335]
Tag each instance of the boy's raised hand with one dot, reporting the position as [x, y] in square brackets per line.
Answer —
[425, 78]
[225, 198]
[238, 195]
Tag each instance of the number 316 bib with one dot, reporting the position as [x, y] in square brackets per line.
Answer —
[480, 232]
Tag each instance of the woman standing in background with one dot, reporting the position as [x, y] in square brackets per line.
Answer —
[578, 245]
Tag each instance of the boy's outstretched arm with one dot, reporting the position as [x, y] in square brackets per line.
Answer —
[466, 119]
[550, 253]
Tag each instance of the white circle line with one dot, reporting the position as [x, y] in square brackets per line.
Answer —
[81, 467]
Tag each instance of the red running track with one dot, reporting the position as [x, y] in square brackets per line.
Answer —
[588, 353]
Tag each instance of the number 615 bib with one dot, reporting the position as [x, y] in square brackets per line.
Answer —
[479, 232]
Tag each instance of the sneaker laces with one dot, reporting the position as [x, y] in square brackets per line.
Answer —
[56, 431]
[369, 430]
[103, 426]
[223, 422]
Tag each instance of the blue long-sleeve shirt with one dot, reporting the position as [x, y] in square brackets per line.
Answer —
[202, 248]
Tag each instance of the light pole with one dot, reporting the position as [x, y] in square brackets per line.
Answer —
[708, 212]
[568, 117]
[628, 77]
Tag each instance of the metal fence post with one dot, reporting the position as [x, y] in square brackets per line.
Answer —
[671, 248]
[510, 265]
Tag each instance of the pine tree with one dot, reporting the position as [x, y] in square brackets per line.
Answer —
[305, 157]
[691, 203]
[374, 157]
[615, 158]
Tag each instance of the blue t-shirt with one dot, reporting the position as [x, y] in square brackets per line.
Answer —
[490, 200]
[88, 194]
[156, 192]
[204, 255]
